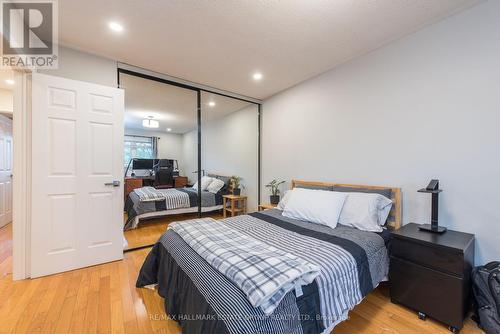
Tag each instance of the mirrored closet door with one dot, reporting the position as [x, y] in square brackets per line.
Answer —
[189, 153]
[161, 156]
[229, 152]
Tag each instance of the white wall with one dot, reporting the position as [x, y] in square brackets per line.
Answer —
[6, 101]
[229, 147]
[78, 65]
[427, 106]
[190, 155]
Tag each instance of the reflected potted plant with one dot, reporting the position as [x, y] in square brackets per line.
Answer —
[236, 185]
[275, 191]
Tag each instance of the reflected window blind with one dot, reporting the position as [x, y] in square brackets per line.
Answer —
[140, 147]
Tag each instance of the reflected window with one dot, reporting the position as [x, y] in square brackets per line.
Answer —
[139, 147]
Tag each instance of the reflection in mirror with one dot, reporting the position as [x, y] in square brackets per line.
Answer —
[161, 157]
[158, 160]
[230, 149]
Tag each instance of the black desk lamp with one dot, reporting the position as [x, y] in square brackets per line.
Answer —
[433, 188]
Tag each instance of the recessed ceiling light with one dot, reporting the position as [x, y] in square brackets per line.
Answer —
[115, 26]
[211, 104]
[169, 129]
[10, 82]
[257, 76]
[150, 123]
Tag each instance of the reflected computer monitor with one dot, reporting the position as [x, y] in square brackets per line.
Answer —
[144, 164]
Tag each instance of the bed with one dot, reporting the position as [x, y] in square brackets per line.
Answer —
[137, 209]
[203, 300]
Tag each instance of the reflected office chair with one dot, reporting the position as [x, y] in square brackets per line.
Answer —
[164, 178]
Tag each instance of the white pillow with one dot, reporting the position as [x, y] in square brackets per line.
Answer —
[281, 205]
[205, 182]
[364, 211]
[215, 186]
[384, 214]
[315, 206]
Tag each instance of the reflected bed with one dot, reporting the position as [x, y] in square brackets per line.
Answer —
[137, 209]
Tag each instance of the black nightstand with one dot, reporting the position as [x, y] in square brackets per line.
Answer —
[430, 273]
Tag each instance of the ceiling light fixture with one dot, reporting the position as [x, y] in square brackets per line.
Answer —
[211, 104]
[257, 76]
[150, 123]
[10, 82]
[169, 129]
[115, 26]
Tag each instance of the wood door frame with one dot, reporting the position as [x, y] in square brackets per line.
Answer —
[21, 181]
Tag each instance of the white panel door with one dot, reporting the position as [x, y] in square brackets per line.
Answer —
[77, 193]
[5, 170]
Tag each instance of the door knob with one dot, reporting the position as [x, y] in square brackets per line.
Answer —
[114, 184]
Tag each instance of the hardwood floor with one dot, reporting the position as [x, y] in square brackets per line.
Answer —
[149, 231]
[103, 299]
[5, 250]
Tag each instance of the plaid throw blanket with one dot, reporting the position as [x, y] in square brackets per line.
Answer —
[149, 194]
[264, 273]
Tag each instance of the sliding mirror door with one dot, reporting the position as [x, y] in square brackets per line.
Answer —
[229, 152]
[161, 158]
[188, 153]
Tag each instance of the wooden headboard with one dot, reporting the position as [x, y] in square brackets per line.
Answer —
[393, 221]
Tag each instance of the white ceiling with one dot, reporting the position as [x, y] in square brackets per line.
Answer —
[221, 43]
[172, 106]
